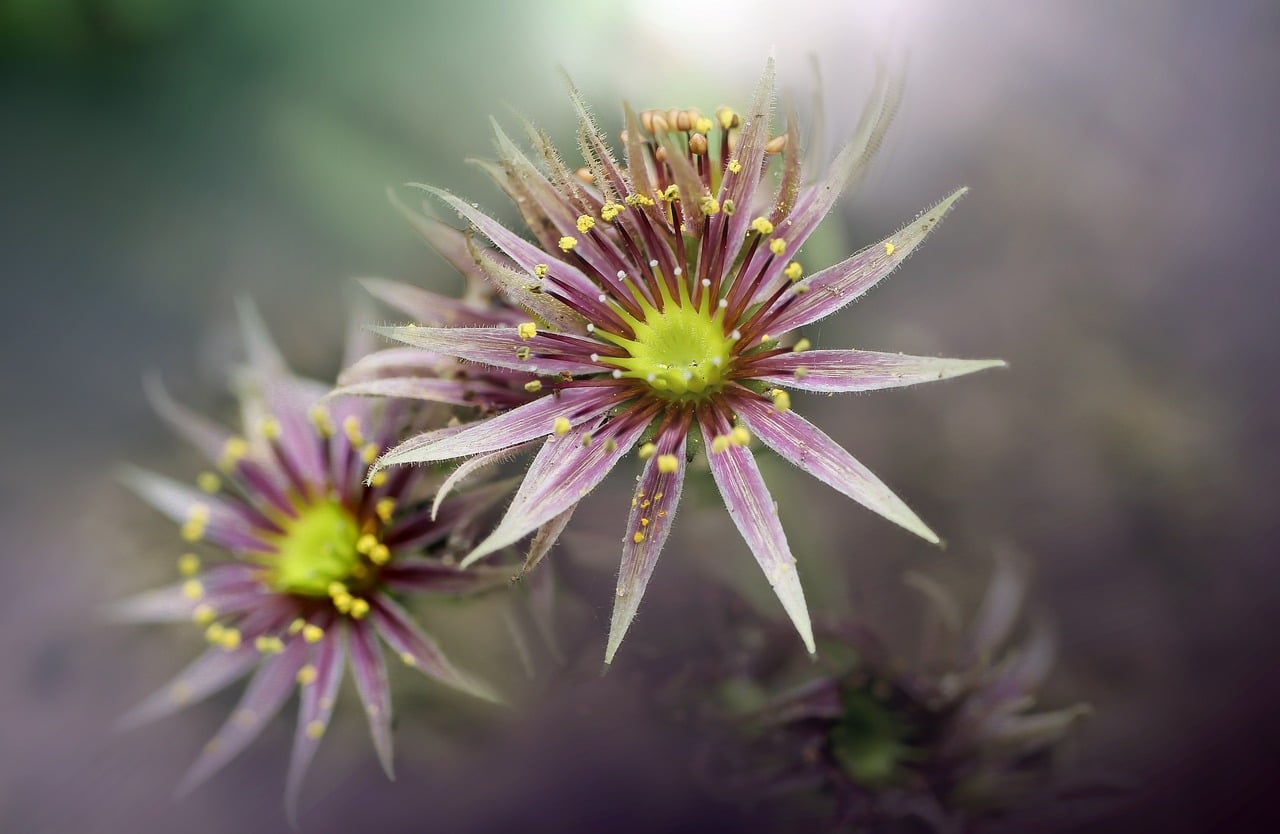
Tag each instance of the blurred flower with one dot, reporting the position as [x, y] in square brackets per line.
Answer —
[664, 295]
[311, 560]
[939, 742]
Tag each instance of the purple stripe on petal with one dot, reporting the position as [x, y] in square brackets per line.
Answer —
[838, 371]
[264, 697]
[520, 425]
[422, 575]
[498, 346]
[215, 669]
[419, 531]
[420, 651]
[370, 674]
[466, 469]
[808, 447]
[563, 472]
[652, 512]
[545, 538]
[468, 392]
[221, 520]
[832, 288]
[741, 187]
[397, 362]
[314, 711]
[753, 512]
[432, 309]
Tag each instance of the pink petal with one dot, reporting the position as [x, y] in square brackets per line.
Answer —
[838, 371]
[420, 651]
[212, 671]
[314, 711]
[228, 524]
[370, 673]
[498, 346]
[435, 310]
[422, 575]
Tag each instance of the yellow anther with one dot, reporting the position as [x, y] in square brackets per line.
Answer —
[321, 420]
[638, 537]
[408, 659]
[385, 508]
[586, 440]
[585, 175]
[765, 339]
[364, 544]
[269, 428]
[336, 588]
[230, 639]
[203, 614]
[781, 399]
[380, 555]
[351, 426]
[188, 564]
[533, 386]
[668, 464]
[561, 426]
[359, 608]
[777, 246]
[540, 270]
[214, 632]
[269, 645]
[801, 346]
[794, 271]
[610, 445]
[312, 633]
[672, 193]
[208, 482]
[703, 124]
[315, 730]
[735, 167]
[526, 330]
[719, 444]
[307, 675]
[739, 436]
[638, 200]
[611, 210]
[296, 625]
[192, 589]
[776, 145]
[762, 225]
[342, 602]
[698, 144]
[192, 531]
[379, 478]
[888, 248]
[370, 452]
[727, 118]
[801, 372]
[232, 451]
[727, 207]
[567, 243]
[644, 522]
[647, 451]
[709, 205]
[586, 223]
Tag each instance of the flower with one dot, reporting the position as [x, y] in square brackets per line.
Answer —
[942, 741]
[310, 561]
[664, 298]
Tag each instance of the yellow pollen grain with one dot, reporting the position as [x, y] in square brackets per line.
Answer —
[776, 145]
[188, 564]
[192, 531]
[351, 426]
[586, 440]
[801, 346]
[888, 248]
[644, 522]
[343, 602]
[203, 614]
[296, 625]
[208, 482]
[192, 589]
[384, 508]
[369, 453]
[762, 225]
[269, 428]
[533, 386]
[522, 352]
[321, 420]
[765, 338]
[269, 645]
[540, 270]
[739, 436]
[359, 609]
[703, 124]
[668, 464]
[735, 167]
[719, 444]
[232, 451]
[315, 730]
[526, 330]
[637, 200]
[781, 399]
[638, 537]
[794, 271]
[230, 639]
[312, 633]
[727, 207]
[379, 478]
[380, 554]
[364, 545]
[567, 243]
[408, 659]
[307, 675]
[561, 426]
[647, 451]
[709, 205]
[610, 211]
[800, 372]
[777, 246]
[586, 223]
[727, 118]
[214, 632]
[610, 445]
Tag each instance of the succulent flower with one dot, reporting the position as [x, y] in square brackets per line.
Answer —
[663, 298]
[309, 560]
[942, 741]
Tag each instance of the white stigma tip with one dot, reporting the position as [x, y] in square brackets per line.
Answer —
[678, 271]
[706, 282]
[591, 328]
[735, 334]
[621, 275]
[650, 378]
[653, 264]
[617, 374]
[602, 298]
[724, 302]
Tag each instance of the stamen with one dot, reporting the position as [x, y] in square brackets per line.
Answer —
[526, 331]
[567, 243]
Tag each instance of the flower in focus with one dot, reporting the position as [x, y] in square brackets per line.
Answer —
[663, 297]
[309, 561]
[941, 742]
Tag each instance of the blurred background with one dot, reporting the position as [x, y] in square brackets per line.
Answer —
[160, 158]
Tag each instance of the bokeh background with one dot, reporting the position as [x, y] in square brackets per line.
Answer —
[159, 158]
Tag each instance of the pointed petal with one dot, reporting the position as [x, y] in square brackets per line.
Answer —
[833, 288]
[753, 512]
[998, 612]
[398, 362]
[451, 391]
[416, 531]
[421, 575]
[176, 603]
[212, 671]
[264, 356]
[741, 187]
[370, 674]
[432, 309]
[448, 242]
[416, 649]
[206, 435]
[808, 447]
[466, 469]
[560, 476]
[224, 523]
[497, 346]
[520, 425]
[652, 511]
[516, 288]
[314, 711]
[546, 537]
[266, 694]
[839, 371]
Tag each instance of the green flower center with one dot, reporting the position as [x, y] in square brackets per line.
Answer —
[871, 740]
[318, 548]
[681, 351]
